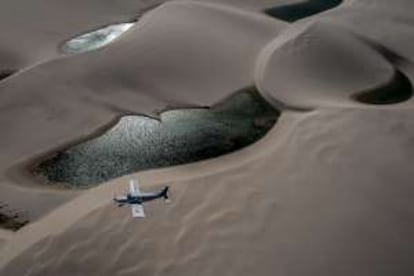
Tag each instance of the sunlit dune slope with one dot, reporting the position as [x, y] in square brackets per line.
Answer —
[328, 191]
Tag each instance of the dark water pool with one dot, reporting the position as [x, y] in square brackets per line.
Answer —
[398, 90]
[5, 73]
[12, 219]
[301, 10]
[137, 143]
[96, 39]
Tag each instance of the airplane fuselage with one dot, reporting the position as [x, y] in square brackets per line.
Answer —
[141, 198]
[129, 199]
[135, 198]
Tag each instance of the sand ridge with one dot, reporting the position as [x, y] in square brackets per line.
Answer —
[90, 90]
[326, 192]
[100, 196]
[237, 218]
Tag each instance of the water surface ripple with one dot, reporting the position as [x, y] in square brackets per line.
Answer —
[137, 143]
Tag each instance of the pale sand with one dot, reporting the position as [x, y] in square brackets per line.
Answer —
[326, 192]
[88, 92]
[5, 235]
[308, 199]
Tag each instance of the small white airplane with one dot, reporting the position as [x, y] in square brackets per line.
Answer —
[135, 198]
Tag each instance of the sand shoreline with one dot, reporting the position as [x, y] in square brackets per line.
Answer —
[327, 191]
[100, 196]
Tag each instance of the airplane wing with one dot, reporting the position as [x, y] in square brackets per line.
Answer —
[137, 211]
[134, 187]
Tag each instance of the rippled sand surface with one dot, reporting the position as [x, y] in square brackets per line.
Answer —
[327, 191]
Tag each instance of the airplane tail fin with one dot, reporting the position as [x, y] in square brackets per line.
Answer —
[164, 193]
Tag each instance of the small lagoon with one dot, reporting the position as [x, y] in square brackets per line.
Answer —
[96, 39]
[293, 12]
[138, 143]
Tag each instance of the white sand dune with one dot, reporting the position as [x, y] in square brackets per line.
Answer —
[325, 192]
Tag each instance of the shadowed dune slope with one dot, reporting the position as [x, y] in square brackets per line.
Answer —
[327, 192]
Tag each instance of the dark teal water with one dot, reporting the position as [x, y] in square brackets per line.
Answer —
[96, 39]
[5, 73]
[301, 10]
[12, 219]
[137, 143]
[397, 91]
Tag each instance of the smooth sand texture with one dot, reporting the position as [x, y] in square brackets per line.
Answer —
[349, 57]
[326, 192]
[264, 210]
[341, 70]
[5, 235]
[173, 68]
